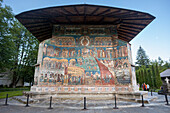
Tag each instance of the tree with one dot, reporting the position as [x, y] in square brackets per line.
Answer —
[150, 81]
[153, 75]
[158, 78]
[6, 41]
[146, 75]
[26, 48]
[160, 61]
[19, 48]
[142, 58]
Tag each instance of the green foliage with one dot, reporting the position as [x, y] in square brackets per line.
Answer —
[142, 58]
[153, 75]
[6, 41]
[15, 89]
[150, 75]
[19, 47]
[158, 78]
[150, 78]
[147, 72]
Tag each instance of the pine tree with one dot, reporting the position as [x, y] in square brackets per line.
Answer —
[143, 77]
[140, 77]
[142, 58]
[153, 76]
[158, 78]
[150, 77]
[137, 76]
[146, 75]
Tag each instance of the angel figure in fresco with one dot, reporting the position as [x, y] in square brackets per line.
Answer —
[45, 49]
[80, 61]
[41, 78]
[125, 52]
[78, 53]
[45, 78]
[98, 53]
[50, 51]
[58, 78]
[36, 80]
[51, 78]
[57, 52]
[91, 74]
[120, 51]
[64, 53]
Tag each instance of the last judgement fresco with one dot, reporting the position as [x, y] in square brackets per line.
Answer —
[84, 60]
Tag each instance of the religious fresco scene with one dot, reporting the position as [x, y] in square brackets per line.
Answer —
[84, 48]
[98, 58]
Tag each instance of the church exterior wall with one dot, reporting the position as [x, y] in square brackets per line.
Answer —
[90, 61]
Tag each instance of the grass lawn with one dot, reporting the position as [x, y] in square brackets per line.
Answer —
[10, 94]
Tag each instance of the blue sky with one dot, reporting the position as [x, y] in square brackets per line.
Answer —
[154, 39]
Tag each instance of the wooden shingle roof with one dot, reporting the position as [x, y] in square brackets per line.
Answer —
[40, 21]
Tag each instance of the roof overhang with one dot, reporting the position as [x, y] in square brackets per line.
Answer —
[40, 21]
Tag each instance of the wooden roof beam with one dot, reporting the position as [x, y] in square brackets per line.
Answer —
[125, 34]
[101, 20]
[128, 29]
[85, 8]
[34, 18]
[43, 33]
[120, 30]
[124, 38]
[76, 10]
[36, 23]
[127, 26]
[66, 11]
[118, 21]
[68, 19]
[113, 12]
[134, 24]
[125, 16]
[94, 11]
[42, 30]
[36, 26]
[45, 36]
[103, 12]
[139, 19]
[42, 13]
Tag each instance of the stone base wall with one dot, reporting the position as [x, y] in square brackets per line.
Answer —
[81, 89]
[123, 95]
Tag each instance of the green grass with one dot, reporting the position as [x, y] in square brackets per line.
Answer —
[10, 94]
[14, 89]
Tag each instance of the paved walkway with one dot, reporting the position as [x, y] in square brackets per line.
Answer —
[76, 106]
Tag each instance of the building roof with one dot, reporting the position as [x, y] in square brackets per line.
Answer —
[165, 73]
[40, 21]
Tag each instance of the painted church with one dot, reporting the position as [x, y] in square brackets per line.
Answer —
[84, 48]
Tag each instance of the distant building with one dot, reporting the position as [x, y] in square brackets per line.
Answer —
[5, 80]
[165, 76]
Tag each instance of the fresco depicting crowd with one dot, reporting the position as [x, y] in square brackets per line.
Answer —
[84, 61]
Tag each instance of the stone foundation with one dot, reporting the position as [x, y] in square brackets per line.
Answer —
[126, 96]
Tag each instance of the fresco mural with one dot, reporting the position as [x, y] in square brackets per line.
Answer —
[84, 60]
